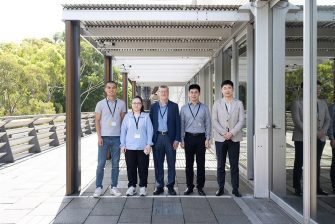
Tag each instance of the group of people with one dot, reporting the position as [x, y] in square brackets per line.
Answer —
[162, 131]
[325, 126]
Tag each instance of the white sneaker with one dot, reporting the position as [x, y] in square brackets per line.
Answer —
[131, 191]
[143, 191]
[97, 192]
[114, 191]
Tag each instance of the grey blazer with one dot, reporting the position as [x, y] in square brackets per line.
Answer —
[234, 120]
[323, 119]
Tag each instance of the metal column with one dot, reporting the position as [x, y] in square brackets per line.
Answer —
[108, 69]
[218, 66]
[235, 72]
[202, 84]
[278, 62]
[125, 88]
[309, 105]
[73, 119]
[250, 102]
[263, 99]
[133, 89]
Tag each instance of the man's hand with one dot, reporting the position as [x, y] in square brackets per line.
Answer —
[332, 143]
[207, 144]
[228, 136]
[175, 145]
[123, 149]
[182, 144]
[320, 134]
[100, 141]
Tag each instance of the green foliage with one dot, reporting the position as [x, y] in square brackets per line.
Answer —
[325, 76]
[32, 76]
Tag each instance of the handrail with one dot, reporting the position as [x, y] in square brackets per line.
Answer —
[27, 134]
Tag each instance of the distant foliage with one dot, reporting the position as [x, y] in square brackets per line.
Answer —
[324, 75]
[32, 76]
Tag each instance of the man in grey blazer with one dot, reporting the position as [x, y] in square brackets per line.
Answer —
[323, 121]
[227, 121]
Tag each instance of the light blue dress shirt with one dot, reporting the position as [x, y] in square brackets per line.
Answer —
[136, 138]
[162, 118]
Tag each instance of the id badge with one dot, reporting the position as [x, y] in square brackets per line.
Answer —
[137, 135]
[112, 123]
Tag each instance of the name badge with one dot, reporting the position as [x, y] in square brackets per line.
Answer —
[137, 135]
[112, 123]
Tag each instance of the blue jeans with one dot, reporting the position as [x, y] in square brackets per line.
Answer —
[111, 143]
[164, 147]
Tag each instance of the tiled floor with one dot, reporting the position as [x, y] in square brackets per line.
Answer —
[32, 191]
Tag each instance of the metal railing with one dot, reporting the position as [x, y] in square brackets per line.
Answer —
[24, 135]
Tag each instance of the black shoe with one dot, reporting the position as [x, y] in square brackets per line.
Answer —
[237, 194]
[188, 191]
[171, 191]
[158, 191]
[297, 192]
[321, 192]
[201, 192]
[220, 191]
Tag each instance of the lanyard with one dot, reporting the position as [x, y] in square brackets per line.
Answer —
[226, 108]
[192, 112]
[137, 121]
[110, 108]
[160, 111]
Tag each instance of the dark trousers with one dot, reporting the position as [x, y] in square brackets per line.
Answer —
[137, 159]
[164, 147]
[332, 169]
[298, 163]
[195, 146]
[233, 150]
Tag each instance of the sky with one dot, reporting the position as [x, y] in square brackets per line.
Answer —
[21, 19]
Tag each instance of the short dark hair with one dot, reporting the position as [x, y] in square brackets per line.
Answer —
[112, 82]
[140, 98]
[227, 82]
[317, 82]
[194, 86]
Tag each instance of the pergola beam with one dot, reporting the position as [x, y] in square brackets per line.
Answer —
[149, 53]
[151, 15]
[160, 45]
[123, 31]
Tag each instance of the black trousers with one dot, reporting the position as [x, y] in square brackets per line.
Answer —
[195, 146]
[137, 159]
[233, 150]
[332, 169]
[298, 163]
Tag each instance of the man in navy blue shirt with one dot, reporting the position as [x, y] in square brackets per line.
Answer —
[165, 118]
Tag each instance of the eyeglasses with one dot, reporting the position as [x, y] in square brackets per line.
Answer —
[136, 103]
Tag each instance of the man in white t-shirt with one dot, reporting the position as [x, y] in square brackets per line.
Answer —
[109, 114]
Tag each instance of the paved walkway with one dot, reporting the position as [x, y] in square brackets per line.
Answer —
[32, 191]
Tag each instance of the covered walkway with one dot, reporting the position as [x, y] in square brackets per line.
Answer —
[34, 193]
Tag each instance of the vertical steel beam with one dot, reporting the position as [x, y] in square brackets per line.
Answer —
[278, 62]
[309, 105]
[73, 119]
[125, 88]
[133, 89]
[250, 101]
[263, 99]
[218, 66]
[234, 73]
[108, 68]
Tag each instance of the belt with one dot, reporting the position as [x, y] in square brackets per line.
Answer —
[194, 134]
[162, 132]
